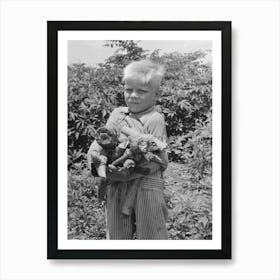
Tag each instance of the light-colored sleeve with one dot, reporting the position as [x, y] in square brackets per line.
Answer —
[113, 121]
[156, 126]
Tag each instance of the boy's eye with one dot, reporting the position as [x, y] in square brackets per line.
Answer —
[128, 90]
[142, 91]
[139, 91]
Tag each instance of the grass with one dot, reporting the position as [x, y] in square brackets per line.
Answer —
[189, 202]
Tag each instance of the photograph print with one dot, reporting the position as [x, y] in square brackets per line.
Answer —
[142, 142]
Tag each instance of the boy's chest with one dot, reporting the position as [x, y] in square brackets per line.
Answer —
[131, 122]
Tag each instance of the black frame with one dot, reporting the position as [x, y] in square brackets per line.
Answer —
[52, 61]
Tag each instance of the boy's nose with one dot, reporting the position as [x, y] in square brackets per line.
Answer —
[134, 94]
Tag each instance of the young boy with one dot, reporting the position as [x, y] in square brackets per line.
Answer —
[148, 215]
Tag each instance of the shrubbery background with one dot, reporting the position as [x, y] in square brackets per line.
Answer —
[185, 101]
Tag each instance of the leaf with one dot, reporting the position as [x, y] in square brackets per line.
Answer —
[203, 220]
[181, 219]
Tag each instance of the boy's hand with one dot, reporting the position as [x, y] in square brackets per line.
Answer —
[124, 175]
[117, 172]
[112, 168]
[129, 132]
[96, 160]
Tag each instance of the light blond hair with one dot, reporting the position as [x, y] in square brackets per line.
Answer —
[146, 71]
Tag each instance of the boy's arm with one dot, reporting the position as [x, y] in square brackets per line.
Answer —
[156, 127]
[113, 121]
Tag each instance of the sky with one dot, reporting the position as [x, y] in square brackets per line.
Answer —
[93, 52]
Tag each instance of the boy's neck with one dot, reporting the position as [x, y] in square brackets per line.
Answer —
[150, 109]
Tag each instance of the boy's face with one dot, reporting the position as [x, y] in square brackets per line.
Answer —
[138, 96]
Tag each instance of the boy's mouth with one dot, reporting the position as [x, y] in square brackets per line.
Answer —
[133, 103]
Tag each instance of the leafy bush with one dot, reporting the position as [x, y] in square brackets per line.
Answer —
[85, 214]
[190, 215]
[195, 149]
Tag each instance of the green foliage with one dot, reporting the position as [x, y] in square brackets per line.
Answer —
[189, 203]
[195, 148]
[198, 149]
[90, 102]
[127, 51]
[85, 214]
